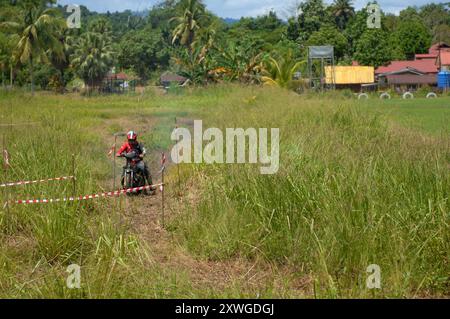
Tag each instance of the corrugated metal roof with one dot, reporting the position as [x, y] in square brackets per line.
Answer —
[405, 71]
[116, 76]
[426, 56]
[172, 77]
[425, 66]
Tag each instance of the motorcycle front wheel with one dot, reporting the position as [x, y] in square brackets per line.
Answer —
[127, 181]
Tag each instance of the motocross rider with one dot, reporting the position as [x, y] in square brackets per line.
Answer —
[133, 145]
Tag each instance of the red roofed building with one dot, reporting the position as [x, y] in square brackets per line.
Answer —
[116, 76]
[444, 60]
[438, 47]
[442, 52]
[425, 66]
[408, 75]
[118, 83]
[427, 56]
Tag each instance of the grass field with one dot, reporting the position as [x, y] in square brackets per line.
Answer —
[429, 115]
[359, 183]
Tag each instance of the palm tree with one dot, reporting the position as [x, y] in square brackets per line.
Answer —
[93, 58]
[134, 22]
[3, 66]
[191, 11]
[101, 25]
[342, 11]
[5, 55]
[37, 28]
[281, 72]
[205, 40]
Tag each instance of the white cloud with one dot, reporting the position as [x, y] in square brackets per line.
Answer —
[112, 5]
[238, 8]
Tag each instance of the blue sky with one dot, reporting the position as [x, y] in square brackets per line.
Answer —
[238, 8]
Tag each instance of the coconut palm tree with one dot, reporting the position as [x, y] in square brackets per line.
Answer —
[280, 72]
[101, 25]
[342, 11]
[62, 61]
[93, 57]
[3, 66]
[188, 23]
[37, 28]
[5, 55]
[205, 40]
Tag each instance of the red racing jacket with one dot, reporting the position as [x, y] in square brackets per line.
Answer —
[127, 148]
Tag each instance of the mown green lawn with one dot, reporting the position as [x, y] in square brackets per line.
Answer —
[430, 115]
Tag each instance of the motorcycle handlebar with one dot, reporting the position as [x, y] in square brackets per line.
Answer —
[130, 156]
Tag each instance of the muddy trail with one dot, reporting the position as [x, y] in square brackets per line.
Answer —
[143, 214]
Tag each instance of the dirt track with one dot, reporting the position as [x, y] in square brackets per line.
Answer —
[144, 217]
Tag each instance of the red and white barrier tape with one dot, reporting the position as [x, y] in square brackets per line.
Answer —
[37, 181]
[81, 198]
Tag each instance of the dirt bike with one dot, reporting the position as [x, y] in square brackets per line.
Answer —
[132, 177]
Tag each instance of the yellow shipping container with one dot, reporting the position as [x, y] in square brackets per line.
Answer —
[350, 74]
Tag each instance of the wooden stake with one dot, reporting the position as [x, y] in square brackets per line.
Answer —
[162, 196]
[10, 113]
[3, 151]
[163, 170]
[5, 170]
[114, 162]
[74, 181]
[5, 155]
[178, 165]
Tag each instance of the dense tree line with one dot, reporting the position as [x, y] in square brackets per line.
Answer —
[37, 47]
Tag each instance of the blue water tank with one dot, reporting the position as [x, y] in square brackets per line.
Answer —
[443, 80]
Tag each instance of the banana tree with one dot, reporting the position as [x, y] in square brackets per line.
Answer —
[241, 62]
[194, 65]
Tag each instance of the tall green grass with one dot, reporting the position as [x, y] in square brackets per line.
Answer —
[352, 190]
[40, 241]
[356, 186]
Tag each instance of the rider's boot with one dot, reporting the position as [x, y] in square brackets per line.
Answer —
[150, 183]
